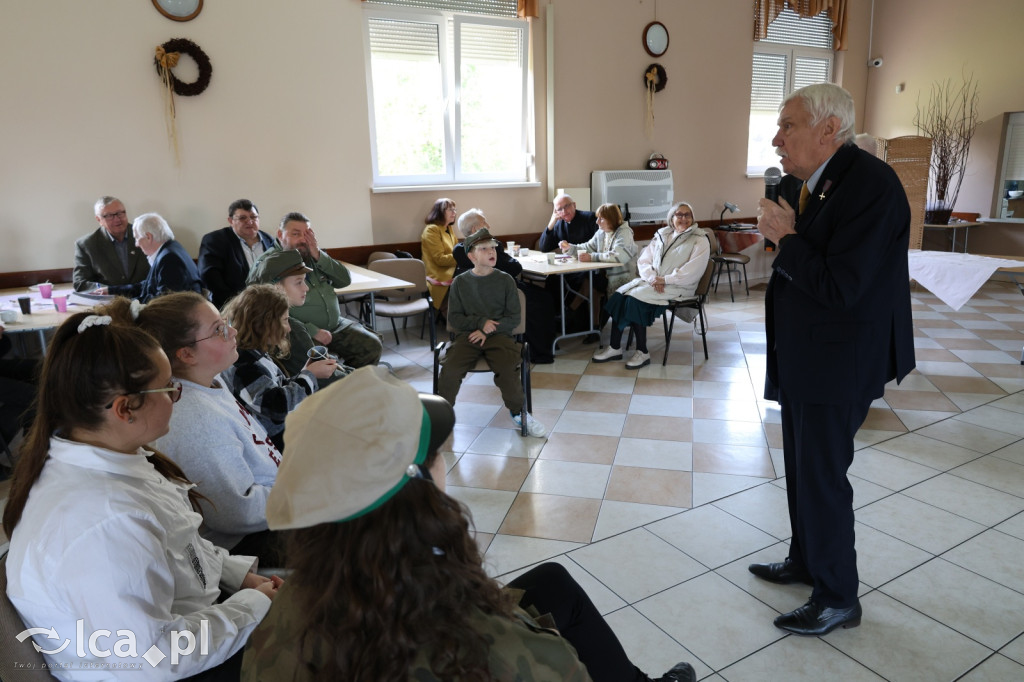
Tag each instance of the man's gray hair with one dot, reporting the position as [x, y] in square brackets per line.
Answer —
[102, 202]
[292, 216]
[154, 224]
[827, 99]
[470, 221]
[560, 196]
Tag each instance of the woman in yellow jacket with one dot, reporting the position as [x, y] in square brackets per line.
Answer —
[437, 241]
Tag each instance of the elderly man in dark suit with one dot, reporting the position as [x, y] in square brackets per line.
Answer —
[109, 255]
[172, 268]
[839, 328]
[226, 255]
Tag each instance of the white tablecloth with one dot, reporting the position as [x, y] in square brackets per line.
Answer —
[954, 277]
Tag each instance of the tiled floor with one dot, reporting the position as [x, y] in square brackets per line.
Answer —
[656, 489]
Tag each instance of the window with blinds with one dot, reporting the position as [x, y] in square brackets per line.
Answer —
[796, 52]
[448, 92]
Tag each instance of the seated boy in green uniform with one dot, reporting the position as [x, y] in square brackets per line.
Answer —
[483, 308]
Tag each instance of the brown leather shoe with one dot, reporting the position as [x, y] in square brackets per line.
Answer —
[813, 620]
[783, 573]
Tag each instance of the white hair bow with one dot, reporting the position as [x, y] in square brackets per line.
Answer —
[136, 308]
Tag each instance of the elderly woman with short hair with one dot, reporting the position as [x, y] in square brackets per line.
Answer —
[171, 268]
[670, 268]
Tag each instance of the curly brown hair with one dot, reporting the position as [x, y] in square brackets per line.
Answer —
[256, 313]
[377, 589]
[82, 372]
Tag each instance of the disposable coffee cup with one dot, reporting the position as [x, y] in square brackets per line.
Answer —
[510, 246]
[60, 303]
[26, 305]
[45, 289]
[8, 316]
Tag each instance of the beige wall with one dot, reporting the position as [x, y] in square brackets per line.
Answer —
[284, 121]
[927, 41]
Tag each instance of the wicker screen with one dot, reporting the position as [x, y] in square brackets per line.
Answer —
[911, 157]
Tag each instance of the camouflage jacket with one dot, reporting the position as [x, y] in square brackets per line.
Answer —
[521, 651]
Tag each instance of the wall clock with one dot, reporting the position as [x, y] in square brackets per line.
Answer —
[655, 38]
[179, 10]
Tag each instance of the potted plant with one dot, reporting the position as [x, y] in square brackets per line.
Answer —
[950, 119]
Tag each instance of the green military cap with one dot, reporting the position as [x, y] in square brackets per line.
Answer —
[276, 265]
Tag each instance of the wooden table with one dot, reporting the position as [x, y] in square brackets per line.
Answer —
[738, 239]
[369, 282]
[955, 228]
[537, 263]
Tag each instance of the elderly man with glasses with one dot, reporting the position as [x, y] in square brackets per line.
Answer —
[109, 255]
[568, 224]
[226, 255]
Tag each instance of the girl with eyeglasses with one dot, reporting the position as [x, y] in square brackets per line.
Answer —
[213, 438]
[104, 533]
[257, 378]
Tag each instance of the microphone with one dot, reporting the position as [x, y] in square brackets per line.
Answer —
[772, 178]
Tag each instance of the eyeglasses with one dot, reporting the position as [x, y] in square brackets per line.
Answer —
[563, 209]
[115, 214]
[683, 215]
[174, 388]
[246, 218]
[223, 330]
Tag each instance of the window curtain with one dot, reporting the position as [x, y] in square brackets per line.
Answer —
[765, 12]
[528, 8]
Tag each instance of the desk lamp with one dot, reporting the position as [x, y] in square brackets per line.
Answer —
[732, 208]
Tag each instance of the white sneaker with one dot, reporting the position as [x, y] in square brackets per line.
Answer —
[639, 359]
[533, 427]
[607, 355]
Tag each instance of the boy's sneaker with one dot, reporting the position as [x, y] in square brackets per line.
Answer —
[607, 355]
[639, 359]
[533, 427]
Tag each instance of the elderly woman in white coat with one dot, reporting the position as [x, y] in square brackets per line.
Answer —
[670, 268]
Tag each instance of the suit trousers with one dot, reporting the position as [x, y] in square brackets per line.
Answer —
[817, 442]
[502, 354]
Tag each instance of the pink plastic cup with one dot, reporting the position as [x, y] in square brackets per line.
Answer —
[45, 289]
[60, 303]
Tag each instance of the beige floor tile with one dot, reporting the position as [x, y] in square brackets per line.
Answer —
[483, 540]
[899, 643]
[508, 553]
[995, 472]
[666, 387]
[558, 382]
[650, 486]
[930, 452]
[730, 433]
[967, 344]
[714, 458]
[658, 428]
[889, 471]
[487, 507]
[967, 435]
[916, 523]
[711, 487]
[994, 418]
[654, 454]
[879, 419]
[488, 395]
[619, 517]
[648, 647]
[764, 507]
[487, 471]
[968, 603]
[961, 384]
[604, 599]
[595, 423]
[711, 536]
[552, 517]
[1012, 370]
[996, 668]
[574, 447]
[573, 479]
[719, 373]
[612, 368]
[737, 410]
[461, 437]
[588, 401]
[720, 622]
[992, 554]
[506, 442]
[798, 658]
[935, 355]
[919, 400]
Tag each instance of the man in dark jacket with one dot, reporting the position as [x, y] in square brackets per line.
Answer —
[838, 327]
[226, 255]
[109, 255]
[172, 268]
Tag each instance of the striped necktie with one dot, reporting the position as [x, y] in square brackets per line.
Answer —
[805, 194]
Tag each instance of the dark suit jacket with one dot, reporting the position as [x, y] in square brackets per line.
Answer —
[222, 263]
[838, 303]
[580, 230]
[506, 263]
[173, 270]
[97, 264]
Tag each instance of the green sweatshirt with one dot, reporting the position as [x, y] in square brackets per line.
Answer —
[474, 299]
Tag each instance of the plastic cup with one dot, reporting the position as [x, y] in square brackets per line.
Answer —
[524, 251]
[60, 303]
[45, 289]
[26, 305]
[509, 246]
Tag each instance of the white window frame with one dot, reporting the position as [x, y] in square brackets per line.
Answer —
[791, 52]
[451, 67]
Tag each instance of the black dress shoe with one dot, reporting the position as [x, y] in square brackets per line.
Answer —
[813, 620]
[783, 573]
[680, 672]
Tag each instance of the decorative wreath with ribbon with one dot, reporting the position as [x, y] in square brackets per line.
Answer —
[166, 58]
[655, 80]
